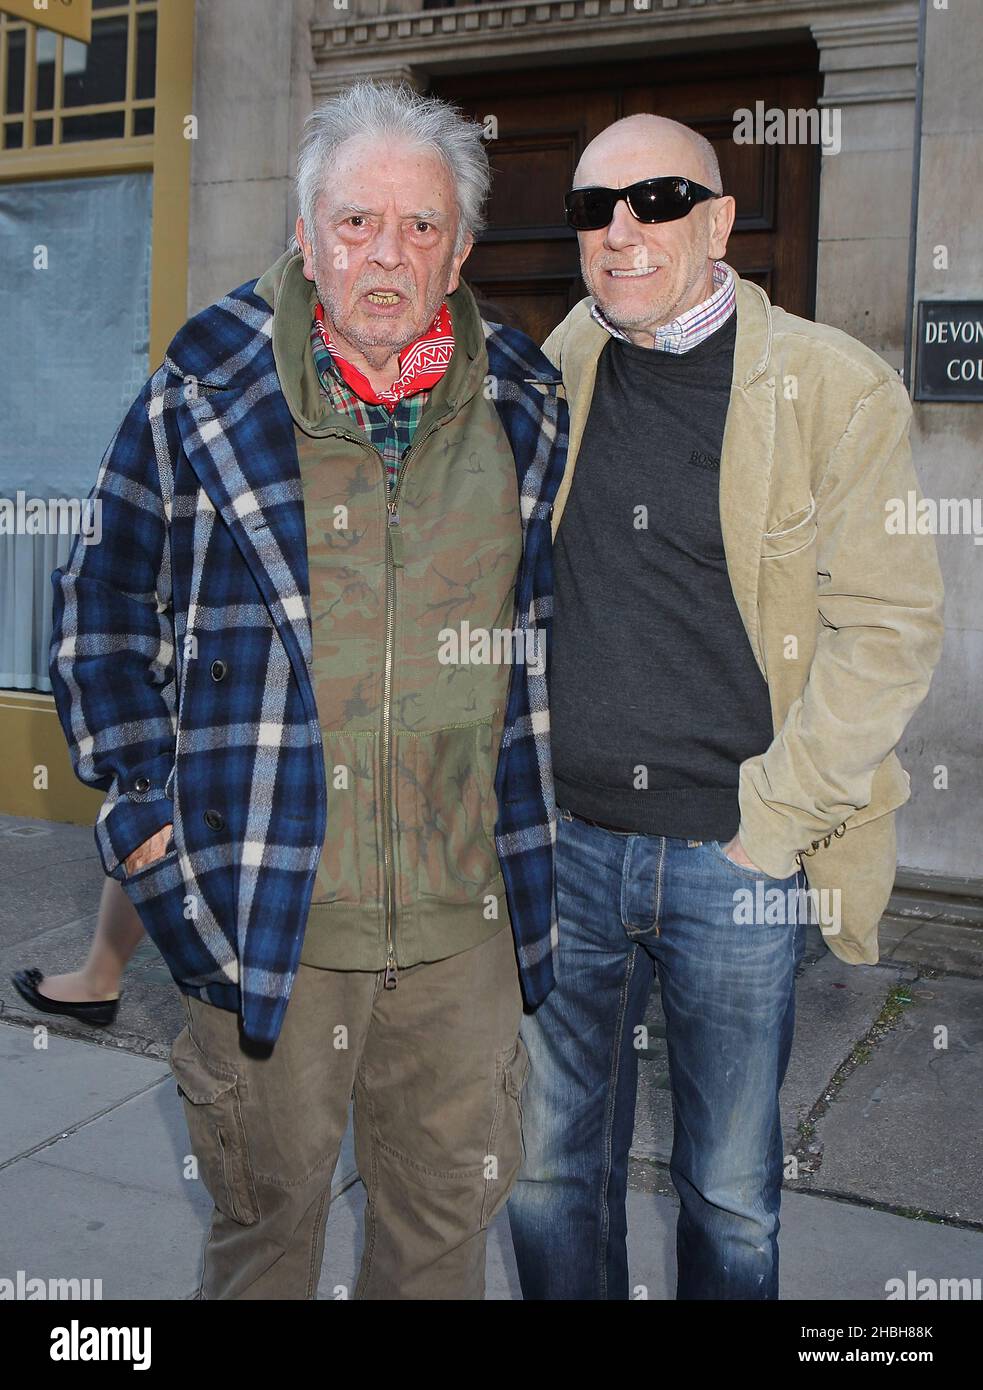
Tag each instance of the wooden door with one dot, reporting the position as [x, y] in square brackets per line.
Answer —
[526, 262]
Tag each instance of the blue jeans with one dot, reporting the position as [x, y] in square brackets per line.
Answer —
[628, 905]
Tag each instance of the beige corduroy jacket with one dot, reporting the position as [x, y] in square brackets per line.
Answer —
[843, 617]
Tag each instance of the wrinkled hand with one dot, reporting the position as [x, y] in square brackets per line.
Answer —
[735, 850]
[154, 848]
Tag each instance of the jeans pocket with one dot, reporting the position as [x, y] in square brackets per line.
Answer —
[505, 1143]
[717, 848]
[218, 1137]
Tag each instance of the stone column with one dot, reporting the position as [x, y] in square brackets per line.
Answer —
[251, 93]
[941, 830]
[869, 61]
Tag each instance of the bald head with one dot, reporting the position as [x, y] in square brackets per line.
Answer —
[645, 274]
[660, 145]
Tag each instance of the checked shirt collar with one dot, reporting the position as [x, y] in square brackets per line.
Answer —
[695, 325]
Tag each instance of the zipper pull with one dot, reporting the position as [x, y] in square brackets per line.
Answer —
[395, 536]
[392, 976]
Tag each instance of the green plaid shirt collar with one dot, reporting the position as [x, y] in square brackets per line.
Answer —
[389, 431]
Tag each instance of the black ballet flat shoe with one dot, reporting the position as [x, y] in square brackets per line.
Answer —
[100, 1013]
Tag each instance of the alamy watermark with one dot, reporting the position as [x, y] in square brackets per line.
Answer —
[774, 906]
[799, 126]
[26, 1287]
[930, 516]
[482, 646]
[51, 516]
[78, 1342]
[928, 1288]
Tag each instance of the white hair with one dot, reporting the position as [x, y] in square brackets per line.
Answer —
[386, 112]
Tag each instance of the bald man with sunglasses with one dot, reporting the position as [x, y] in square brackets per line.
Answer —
[737, 646]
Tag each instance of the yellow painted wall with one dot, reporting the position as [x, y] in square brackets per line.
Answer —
[31, 738]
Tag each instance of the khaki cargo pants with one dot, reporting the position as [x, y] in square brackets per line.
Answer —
[436, 1067]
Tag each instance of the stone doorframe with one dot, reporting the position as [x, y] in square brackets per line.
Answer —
[869, 63]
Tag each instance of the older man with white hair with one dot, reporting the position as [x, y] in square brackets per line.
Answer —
[335, 466]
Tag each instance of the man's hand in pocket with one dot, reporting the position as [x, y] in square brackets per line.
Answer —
[735, 850]
[154, 848]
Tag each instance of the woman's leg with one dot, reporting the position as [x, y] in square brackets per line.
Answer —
[118, 933]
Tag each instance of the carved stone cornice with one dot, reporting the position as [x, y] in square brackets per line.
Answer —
[346, 44]
[868, 58]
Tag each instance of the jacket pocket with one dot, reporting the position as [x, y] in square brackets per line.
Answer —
[348, 869]
[218, 1138]
[453, 819]
[796, 531]
[153, 879]
[170, 853]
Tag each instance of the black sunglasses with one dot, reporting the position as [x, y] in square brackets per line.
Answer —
[652, 200]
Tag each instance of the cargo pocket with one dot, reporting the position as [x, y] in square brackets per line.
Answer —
[456, 810]
[218, 1137]
[505, 1141]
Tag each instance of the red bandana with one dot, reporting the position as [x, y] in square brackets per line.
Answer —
[421, 363]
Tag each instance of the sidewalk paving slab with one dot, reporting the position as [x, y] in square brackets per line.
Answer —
[49, 1090]
[906, 1129]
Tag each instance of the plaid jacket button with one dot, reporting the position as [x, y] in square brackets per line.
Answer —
[214, 820]
[141, 784]
[218, 669]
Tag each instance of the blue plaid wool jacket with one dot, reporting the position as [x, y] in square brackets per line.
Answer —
[180, 662]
